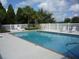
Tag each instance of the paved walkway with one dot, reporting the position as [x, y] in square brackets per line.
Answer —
[12, 47]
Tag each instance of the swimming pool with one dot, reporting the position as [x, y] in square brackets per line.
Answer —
[60, 43]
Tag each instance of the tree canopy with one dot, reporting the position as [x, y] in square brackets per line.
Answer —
[2, 13]
[24, 15]
[67, 20]
[19, 16]
[75, 20]
[72, 20]
[10, 15]
[29, 15]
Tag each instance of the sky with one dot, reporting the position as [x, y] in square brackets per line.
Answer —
[60, 9]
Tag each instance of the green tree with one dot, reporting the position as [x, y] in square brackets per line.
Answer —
[45, 17]
[20, 16]
[75, 20]
[67, 20]
[10, 15]
[28, 13]
[2, 14]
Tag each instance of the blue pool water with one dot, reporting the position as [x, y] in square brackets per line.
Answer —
[57, 42]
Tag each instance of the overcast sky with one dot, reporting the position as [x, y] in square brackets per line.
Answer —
[59, 8]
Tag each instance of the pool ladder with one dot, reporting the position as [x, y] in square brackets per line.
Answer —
[73, 55]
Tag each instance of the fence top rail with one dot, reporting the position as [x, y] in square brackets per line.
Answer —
[46, 24]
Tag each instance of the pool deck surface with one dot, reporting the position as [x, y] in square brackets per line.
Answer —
[63, 32]
[12, 47]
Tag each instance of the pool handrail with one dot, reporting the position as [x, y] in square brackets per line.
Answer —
[70, 50]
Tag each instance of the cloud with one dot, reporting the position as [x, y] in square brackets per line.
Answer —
[59, 8]
[4, 2]
[21, 4]
[74, 15]
[24, 3]
[75, 8]
[43, 5]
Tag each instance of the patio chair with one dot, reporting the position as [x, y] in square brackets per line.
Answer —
[14, 28]
[0, 36]
[64, 29]
[20, 29]
[74, 29]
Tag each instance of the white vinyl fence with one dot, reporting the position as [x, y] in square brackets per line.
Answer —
[62, 27]
[10, 27]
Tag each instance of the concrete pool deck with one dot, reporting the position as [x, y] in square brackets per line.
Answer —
[12, 47]
[72, 33]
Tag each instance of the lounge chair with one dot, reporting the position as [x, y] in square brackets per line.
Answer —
[64, 29]
[16, 28]
[13, 28]
[20, 29]
[74, 29]
[0, 36]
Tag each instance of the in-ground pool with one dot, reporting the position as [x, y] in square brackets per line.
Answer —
[65, 44]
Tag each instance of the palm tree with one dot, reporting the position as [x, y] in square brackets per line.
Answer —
[28, 12]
